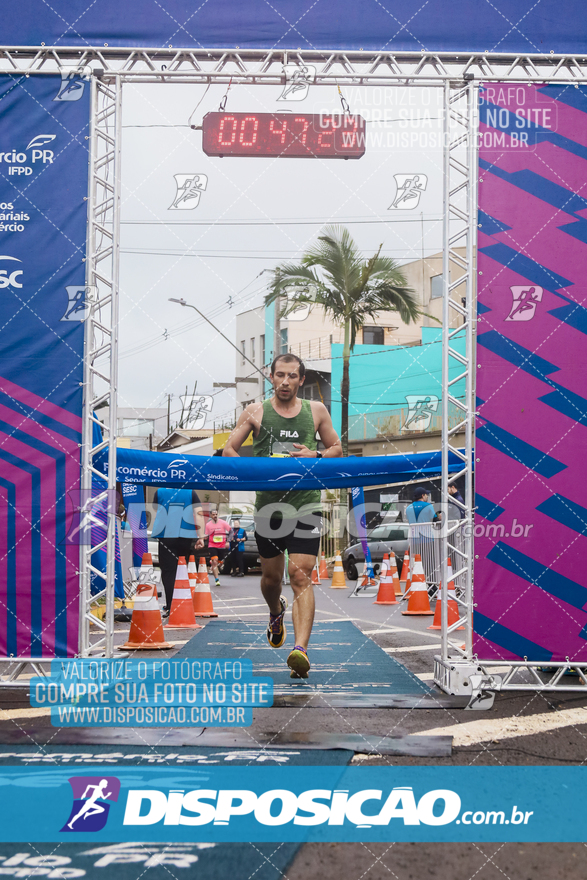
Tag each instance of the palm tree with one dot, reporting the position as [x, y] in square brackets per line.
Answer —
[334, 275]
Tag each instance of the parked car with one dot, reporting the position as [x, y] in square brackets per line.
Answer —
[386, 538]
[251, 549]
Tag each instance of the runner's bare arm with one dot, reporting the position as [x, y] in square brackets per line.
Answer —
[325, 428]
[200, 526]
[249, 420]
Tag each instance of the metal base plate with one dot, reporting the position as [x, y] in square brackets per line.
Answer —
[370, 701]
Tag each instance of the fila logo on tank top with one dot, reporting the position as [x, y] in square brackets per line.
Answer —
[276, 438]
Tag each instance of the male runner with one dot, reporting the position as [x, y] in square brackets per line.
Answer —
[217, 531]
[287, 520]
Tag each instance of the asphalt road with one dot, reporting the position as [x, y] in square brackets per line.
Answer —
[521, 729]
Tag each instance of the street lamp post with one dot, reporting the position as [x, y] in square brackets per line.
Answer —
[182, 302]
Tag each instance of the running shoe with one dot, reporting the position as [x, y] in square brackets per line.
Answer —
[276, 629]
[217, 582]
[298, 663]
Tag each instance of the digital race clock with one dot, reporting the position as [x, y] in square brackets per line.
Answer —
[292, 135]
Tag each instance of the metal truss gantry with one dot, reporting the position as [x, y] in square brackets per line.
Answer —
[457, 669]
[101, 365]
[257, 66]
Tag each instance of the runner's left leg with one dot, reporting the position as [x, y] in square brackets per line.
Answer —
[300, 577]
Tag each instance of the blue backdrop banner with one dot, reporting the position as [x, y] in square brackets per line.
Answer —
[385, 25]
[43, 181]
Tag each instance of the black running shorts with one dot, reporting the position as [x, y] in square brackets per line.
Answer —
[296, 536]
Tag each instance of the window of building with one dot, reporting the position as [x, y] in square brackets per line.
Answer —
[137, 427]
[253, 349]
[436, 287]
[284, 341]
[262, 348]
[373, 336]
[243, 350]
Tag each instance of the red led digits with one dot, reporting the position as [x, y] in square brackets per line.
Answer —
[226, 123]
[305, 136]
[349, 138]
[302, 135]
[327, 130]
[273, 128]
[251, 133]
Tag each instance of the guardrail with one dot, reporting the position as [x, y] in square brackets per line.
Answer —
[371, 425]
[424, 538]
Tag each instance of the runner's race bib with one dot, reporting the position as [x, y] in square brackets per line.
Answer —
[281, 449]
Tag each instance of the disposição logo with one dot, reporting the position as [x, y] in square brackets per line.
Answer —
[91, 795]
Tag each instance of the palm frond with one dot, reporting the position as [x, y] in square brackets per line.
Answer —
[290, 275]
[337, 255]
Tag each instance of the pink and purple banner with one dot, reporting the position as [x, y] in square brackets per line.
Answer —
[531, 436]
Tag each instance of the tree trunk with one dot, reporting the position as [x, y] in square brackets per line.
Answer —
[344, 390]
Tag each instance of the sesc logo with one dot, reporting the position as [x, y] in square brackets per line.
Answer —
[7, 278]
[90, 802]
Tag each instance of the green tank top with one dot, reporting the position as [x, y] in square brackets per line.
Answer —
[276, 437]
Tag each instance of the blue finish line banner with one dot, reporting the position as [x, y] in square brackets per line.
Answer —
[202, 471]
[356, 804]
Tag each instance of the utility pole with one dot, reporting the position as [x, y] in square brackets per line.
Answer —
[277, 325]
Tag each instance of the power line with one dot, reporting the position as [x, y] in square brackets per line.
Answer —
[331, 221]
[185, 328]
[271, 256]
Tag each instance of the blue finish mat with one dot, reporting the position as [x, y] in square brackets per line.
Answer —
[344, 661]
[140, 755]
[154, 861]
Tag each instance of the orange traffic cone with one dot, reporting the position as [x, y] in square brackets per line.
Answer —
[386, 594]
[338, 581]
[146, 628]
[203, 606]
[316, 575]
[418, 603]
[405, 575]
[452, 608]
[192, 574]
[323, 568]
[397, 587]
[182, 615]
[409, 573]
[193, 578]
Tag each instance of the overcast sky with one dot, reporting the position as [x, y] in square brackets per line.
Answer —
[210, 258]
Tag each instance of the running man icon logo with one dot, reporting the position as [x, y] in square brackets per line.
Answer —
[72, 86]
[409, 189]
[189, 190]
[90, 802]
[78, 306]
[421, 408]
[298, 80]
[525, 300]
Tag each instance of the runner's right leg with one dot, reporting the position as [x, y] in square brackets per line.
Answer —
[271, 577]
